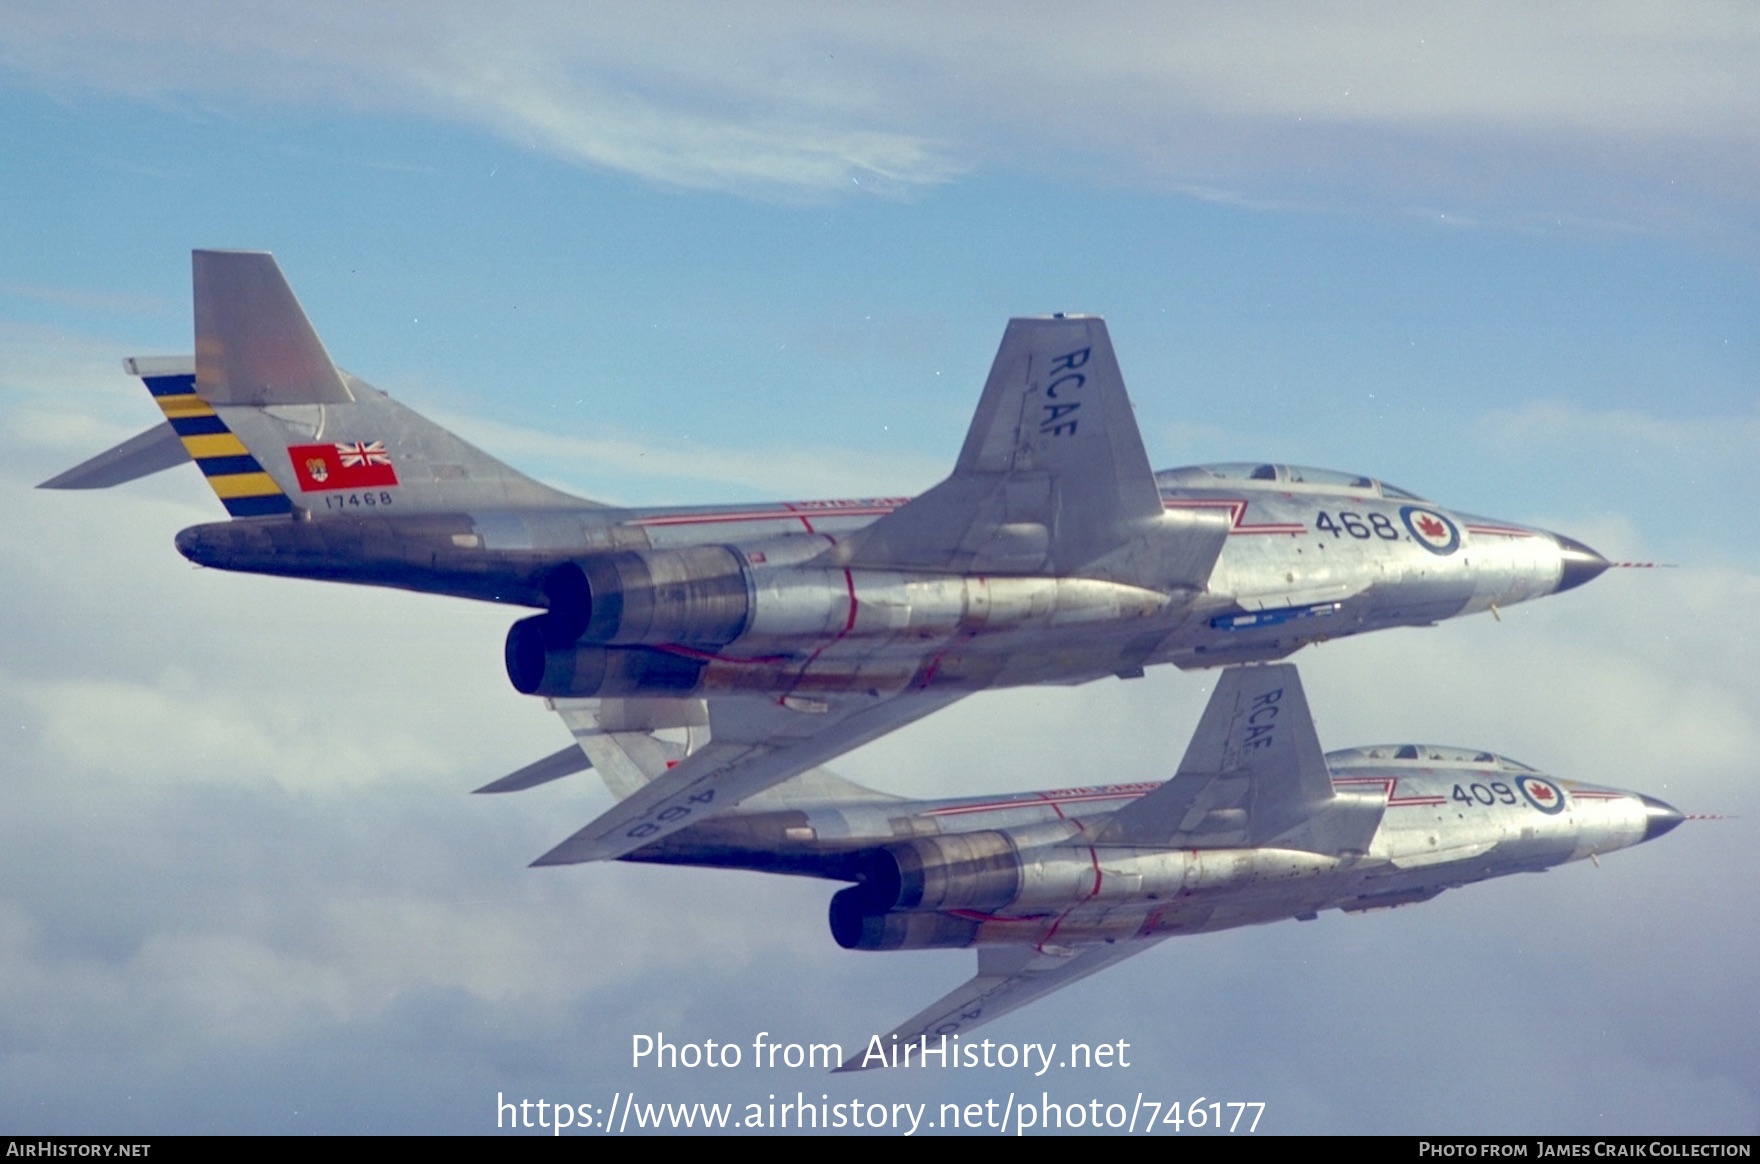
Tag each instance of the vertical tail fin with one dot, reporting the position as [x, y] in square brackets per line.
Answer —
[333, 442]
[276, 427]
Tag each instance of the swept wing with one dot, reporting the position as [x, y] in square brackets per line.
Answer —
[753, 744]
[1008, 978]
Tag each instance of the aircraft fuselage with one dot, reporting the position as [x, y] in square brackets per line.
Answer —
[751, 598]
[1019, 870]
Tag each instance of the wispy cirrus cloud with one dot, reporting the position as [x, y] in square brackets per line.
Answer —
[1574, 113]
[683, 98]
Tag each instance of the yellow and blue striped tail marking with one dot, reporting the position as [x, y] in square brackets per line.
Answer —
[236, 477]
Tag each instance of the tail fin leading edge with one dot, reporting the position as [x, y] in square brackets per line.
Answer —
[237, 478]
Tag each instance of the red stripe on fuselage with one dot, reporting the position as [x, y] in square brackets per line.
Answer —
[805, 511]
[1092, 894]
[849, 624]
[1052, 799]
[1238, 509]
[789, 513]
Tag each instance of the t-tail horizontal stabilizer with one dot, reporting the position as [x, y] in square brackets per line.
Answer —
[254, 344]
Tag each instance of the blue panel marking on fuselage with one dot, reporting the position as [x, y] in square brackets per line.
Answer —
[1274, 617]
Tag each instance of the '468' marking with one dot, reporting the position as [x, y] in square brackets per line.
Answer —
[671, 813]
[1377, 525]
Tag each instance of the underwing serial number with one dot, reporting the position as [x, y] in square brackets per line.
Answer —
[671, 813]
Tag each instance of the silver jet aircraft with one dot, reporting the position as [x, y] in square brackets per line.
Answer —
[793, 632]
[1256, 826]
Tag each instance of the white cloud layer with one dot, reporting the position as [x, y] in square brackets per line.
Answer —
[249, 892]
[1697, 452]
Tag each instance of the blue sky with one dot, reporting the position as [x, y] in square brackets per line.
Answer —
[1505, 259]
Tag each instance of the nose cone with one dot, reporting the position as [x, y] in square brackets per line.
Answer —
[1578, 564]
[1661, 817]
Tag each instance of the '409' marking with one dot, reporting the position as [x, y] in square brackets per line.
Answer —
[1484, 794]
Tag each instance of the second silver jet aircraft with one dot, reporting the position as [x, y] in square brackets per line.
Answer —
[1049, 887]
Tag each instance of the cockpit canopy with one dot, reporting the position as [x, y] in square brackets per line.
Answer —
[1284, 478]
[1421, 756]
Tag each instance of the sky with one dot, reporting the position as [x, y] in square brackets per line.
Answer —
[1506, 257]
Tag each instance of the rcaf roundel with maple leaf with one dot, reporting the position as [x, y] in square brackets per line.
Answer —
[1542, 794]
[1432, 530]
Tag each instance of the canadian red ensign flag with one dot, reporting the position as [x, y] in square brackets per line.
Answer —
[356, 465]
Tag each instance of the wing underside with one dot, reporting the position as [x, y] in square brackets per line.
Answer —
[1008, 978]
[753, 744]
